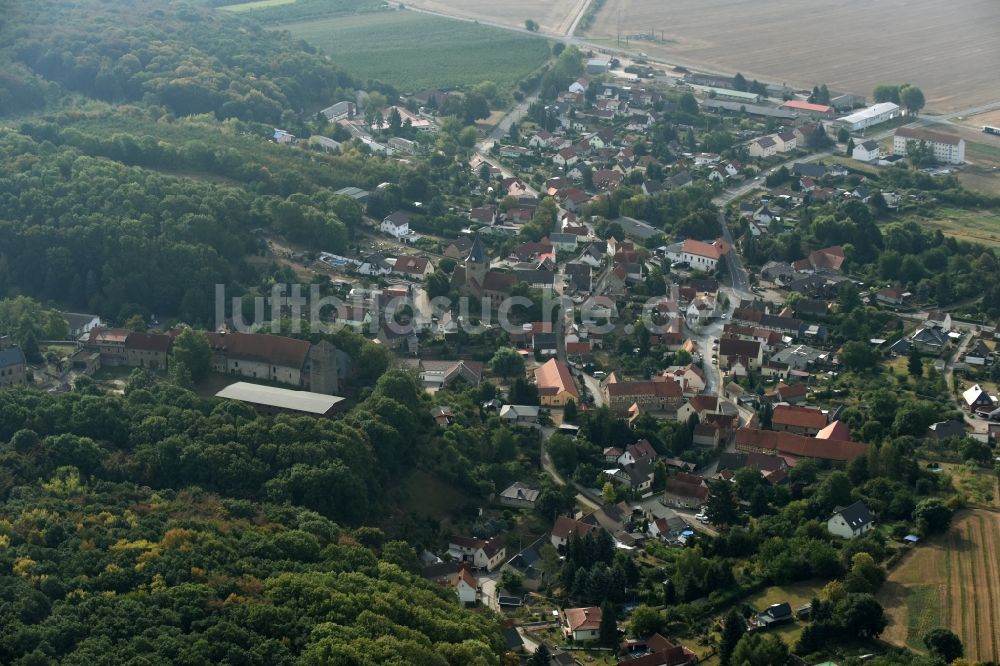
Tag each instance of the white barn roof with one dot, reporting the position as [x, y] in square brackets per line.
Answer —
[270, 396]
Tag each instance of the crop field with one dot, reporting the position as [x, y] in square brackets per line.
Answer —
[414, 51]
[952, 582]
[948, 47]
[554, 16]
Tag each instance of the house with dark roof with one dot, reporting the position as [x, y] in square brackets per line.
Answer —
[581, 277]
[686, 489]
[731, 349]
[528, 565]
[946, 429]
[80, 323]
[850, 521]
[519, 495]
[13, 367]
[772, 615]
[661, 651]
[147, 350]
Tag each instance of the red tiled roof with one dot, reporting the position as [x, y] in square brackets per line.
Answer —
[566, 526]
[702, 249]
[498, 281]
[555, 376]
[798, 416]
[273, 349]
[701, 403]
[583, 619]
[807, 106]
[668, 389]
[412, 265]
[787, 443]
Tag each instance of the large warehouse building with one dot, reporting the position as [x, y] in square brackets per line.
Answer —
[873, 115]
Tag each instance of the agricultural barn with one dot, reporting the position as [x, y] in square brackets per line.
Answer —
[873, 115]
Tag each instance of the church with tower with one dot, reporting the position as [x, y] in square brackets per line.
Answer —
[475, 277]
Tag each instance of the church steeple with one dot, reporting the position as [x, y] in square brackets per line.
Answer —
[477, 253]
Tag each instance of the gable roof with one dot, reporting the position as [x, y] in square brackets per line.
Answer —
[583, 619]
[398, 218]
[667, 389]
[798, 416]
[519, 491]
[702, 249]
[856, 515]
[154, 342]
[735, 347]
[273, 349]
[11, 357]
[554, 377]
[788, 443]
[411, 265]
[838, 430]
[565, 527]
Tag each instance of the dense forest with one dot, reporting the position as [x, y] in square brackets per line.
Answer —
[185, 59]
[192, 531]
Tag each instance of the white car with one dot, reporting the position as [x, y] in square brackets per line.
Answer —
[701, 518]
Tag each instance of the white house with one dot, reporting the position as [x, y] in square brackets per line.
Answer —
[397, 225]
[700, 255]
[866, 152]
[946, 148]
[519, 414]
[785, 141]
[763, 147]
[375, 265]
[582, 624]
[566, 157]
[481, 553]
[564, 242]
[465, 586]
[850, 522]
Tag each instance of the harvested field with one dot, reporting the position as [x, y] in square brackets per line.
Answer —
[952, 581]
[851, 46]
[554, 16]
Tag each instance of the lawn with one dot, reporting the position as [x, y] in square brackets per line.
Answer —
[415, 51]
[796, 594]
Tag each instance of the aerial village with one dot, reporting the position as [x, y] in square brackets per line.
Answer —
[712, 349]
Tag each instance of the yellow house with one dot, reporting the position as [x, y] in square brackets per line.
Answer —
[555, 384]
